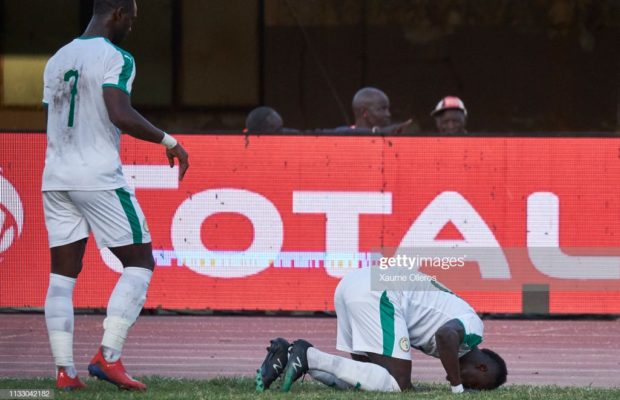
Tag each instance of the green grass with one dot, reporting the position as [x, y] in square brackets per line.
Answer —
[243, 388]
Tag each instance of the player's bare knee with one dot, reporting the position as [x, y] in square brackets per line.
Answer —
[149, 262]
[135, 255]
[143, 261]
[66, 260]
[146, 253]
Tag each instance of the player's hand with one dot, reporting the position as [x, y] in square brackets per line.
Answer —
[179, 153]
[464, 390]
[399, 128]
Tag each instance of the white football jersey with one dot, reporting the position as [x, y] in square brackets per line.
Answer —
[82, 143]
[429, 307]
[417, 313]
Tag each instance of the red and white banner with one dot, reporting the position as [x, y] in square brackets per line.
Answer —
[272, 222]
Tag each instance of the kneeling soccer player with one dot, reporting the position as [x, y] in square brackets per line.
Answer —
[378, 329]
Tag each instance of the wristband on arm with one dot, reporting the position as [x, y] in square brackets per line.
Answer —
[168, 141]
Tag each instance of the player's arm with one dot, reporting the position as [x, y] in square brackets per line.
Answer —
[448, 339]
[400, 127]
[127, 119]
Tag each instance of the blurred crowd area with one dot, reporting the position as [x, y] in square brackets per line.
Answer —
[519, 67]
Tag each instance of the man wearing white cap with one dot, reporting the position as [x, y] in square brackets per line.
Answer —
[450, 116]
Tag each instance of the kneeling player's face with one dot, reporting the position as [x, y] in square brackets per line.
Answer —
[475, 376]
[470, 380]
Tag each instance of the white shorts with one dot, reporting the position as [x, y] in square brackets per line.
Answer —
[114, 216]
[369, 321]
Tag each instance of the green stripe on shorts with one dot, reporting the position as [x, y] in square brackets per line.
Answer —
[386, 310]
[132, 216]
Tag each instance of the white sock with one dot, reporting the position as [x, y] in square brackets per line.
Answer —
[362, 375]
[329, 379]
[70, 370]
[124, 306]
[59, 320]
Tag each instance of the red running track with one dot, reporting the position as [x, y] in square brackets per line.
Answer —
[559, 352]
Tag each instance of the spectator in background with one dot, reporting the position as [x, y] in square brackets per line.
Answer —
[450, 116]
[371, 108]
[263, 119]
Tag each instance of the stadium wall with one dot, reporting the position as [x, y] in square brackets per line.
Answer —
[272, 222]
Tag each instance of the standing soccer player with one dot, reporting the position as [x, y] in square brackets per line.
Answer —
[87, 86]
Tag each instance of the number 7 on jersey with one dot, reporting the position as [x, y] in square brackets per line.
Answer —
[68, 75]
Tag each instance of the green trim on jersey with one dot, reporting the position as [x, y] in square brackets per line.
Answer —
[132, 216]
[128, 65]
[386, 311]
[470, 339]
[126, 71]
[441, 287]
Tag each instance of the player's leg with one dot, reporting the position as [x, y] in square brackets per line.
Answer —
[333, 381]
[343, 336]
[329, 379]
[398, 368]
[363, 375]
[67, 233]
[128, 296]
[346, 372]
[344, 340]
[124, 307]
[67, 259]
[373, 329]
[368, 322]
[118, 223]
[59, 317]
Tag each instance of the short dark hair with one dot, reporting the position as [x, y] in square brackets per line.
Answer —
[102, 7]
[261, 119]
[502, 371]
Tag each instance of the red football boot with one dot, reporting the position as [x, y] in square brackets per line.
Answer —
[113, 372]
[65, 382]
